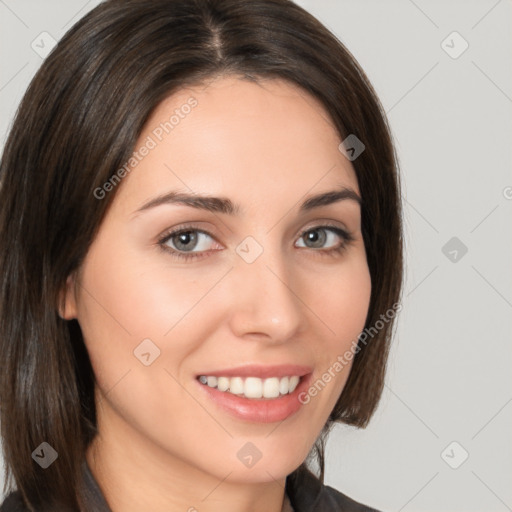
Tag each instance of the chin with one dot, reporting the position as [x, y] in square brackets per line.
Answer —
[276, 466]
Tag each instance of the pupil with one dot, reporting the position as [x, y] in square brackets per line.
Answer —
[316, 238]
[184, 240]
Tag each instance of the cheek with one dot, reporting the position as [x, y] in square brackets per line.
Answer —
[342, 303]
[128, 297]
[132, 307]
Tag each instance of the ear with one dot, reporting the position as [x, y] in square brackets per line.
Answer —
[67, 299]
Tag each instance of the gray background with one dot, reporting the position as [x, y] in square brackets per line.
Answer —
[449, 376]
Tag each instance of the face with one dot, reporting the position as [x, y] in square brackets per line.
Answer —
[250, 288]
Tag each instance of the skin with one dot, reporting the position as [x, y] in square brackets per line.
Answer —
[162, 444]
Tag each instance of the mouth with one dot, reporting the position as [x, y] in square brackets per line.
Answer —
[255, 394]
[253, 388]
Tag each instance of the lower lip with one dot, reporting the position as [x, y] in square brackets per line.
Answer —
[259, 410]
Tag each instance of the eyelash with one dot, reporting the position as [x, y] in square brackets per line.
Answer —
[344, 235]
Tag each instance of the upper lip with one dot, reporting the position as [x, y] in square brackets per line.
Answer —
[261, 371]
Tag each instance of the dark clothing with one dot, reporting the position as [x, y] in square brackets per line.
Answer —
[304, 490]
[308, 494]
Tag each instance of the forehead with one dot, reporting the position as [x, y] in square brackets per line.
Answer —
[239, 138]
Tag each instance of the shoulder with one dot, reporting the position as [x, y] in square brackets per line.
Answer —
[13, 503]
[308, 494]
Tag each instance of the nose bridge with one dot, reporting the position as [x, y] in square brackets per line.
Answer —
[266, 302]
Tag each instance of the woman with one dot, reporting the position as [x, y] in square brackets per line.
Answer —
[201, 261]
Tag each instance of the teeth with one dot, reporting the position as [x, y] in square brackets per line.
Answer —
[252, 387]
[293, 383]
[271, 388]
[236, 385]
[284, 385]
[222, 383]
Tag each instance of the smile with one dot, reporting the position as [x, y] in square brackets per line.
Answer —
[252, 387]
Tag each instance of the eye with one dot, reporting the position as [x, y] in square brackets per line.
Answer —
[186, 240]
[189, 242]
[325, 237]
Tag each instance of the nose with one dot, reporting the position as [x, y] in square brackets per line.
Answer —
[266, 303]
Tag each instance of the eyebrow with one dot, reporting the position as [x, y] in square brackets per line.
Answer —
[226, 206]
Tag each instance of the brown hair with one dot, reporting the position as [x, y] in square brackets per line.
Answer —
[76, 126]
